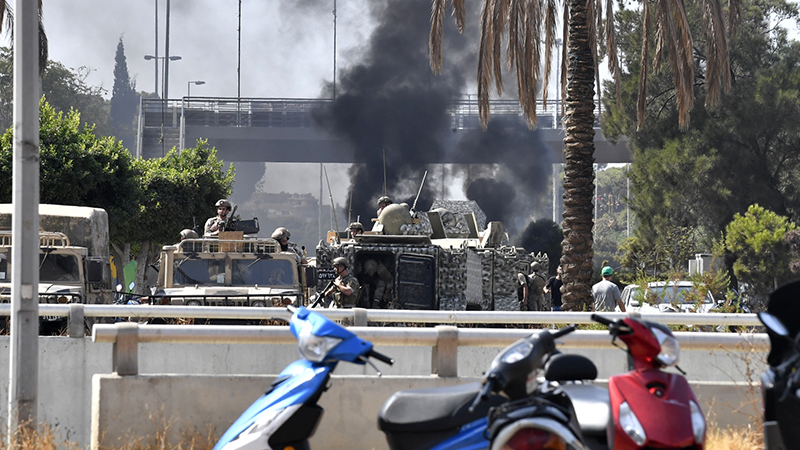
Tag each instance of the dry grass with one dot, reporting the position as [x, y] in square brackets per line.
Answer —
[734, 439]
[44, 438]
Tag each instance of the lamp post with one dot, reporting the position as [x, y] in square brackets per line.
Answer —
[171, 58]
[189, 86]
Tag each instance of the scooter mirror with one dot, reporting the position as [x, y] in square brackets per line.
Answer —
[773, 323]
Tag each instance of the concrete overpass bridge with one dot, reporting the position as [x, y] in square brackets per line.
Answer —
[283, 130]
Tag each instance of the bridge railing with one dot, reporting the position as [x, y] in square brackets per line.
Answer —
[282, 112]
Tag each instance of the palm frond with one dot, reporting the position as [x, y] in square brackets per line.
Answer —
[564, 47]
[718, 72]
[683, 64]
[485, 63]
[499, 14]
[613, 57]
[734, 17]
[460, 12]
[551, 8]
[591, 21]
[437, 35]
[644, 63]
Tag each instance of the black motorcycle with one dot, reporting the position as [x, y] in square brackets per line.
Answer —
[780, 384]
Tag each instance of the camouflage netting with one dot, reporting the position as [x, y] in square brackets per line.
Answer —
[500, 269]
[421, 228]
[463, 207]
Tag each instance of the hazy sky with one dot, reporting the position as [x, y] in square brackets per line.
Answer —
[286, 46]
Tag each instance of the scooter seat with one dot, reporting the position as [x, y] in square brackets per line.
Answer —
[434, 409]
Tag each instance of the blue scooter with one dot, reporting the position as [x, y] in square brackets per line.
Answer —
[287, 415]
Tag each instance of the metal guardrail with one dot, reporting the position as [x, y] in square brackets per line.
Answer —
[443, 339]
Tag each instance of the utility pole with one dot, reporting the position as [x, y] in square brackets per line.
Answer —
[24, 341]
[156, 53]
[166, 57]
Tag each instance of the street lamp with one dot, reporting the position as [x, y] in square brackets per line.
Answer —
[156, 58]
[189, 86]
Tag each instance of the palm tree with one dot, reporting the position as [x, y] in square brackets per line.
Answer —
[7, 24]
[530, 26]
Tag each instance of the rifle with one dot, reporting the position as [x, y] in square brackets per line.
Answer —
[228, 219]
[321, 295]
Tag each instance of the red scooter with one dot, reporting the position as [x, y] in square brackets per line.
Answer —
[651, 408]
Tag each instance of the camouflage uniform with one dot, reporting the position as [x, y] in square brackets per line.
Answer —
[536, 298]
[347, 301]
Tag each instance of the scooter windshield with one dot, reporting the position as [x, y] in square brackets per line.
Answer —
[351, 347]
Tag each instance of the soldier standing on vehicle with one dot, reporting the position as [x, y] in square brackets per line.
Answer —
[345, 287]
[216, 224]
[383, 202]
[356, 229]
[606, 294]
[282, 235]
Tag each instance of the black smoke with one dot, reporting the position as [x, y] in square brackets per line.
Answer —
[390, 103]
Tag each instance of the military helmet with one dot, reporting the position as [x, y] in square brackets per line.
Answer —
[188, 233]
[357, 226]
[223, 202]
[535, 266]
[280, 233]
[340, 261]
[384, 199]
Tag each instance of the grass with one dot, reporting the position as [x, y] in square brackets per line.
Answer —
[44, 438]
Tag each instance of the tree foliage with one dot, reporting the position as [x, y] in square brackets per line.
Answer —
[737, 154]
[78, 168]
[756, 239]
[124, 100]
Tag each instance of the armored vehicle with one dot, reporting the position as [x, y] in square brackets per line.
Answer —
[232, 270]
[447, 258]
[74, 265]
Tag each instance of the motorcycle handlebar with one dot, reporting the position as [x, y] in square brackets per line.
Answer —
[486, 389]
[381, 357]
[603, 320]
[564, 331]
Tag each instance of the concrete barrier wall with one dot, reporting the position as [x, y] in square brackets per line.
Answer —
[66, 367]
[176, 406]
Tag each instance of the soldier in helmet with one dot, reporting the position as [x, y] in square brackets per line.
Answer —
[282, 235]
[533, 298]
[356, 229]
[345, 288]
[189, 233]
[215, 224]
[383, 202]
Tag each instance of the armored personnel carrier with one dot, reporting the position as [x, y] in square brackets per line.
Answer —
[447, 258]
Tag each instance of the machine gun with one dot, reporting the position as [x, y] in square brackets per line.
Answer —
[321, 295]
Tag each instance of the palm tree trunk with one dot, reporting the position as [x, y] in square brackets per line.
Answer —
[579, 168]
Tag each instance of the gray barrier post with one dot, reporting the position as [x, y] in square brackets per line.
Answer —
[126, 349]
[359, 317]
[76, 318]
[444, 355]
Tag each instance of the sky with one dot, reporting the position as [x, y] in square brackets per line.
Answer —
[286, 47]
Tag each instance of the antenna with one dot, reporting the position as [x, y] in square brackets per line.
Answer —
[384, 172]
[330, 195]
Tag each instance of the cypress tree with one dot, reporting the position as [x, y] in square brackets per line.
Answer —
[124, 100]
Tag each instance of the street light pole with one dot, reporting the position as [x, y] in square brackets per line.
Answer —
[189, 86]
[167, 57]
[156, 58]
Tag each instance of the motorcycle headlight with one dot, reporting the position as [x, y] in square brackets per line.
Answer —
[631, 425]
[516, 353]
[670, 351]
[314, 348]
[698, 422]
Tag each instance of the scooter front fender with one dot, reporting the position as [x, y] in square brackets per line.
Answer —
[297, 383]
[660, 402]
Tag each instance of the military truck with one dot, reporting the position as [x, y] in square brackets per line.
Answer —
[74, 264]
[234, 269]
[447, 258]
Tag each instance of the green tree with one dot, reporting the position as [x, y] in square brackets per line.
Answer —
[531, 27]
[739, 153]
[756, 239]
[178, 191]
[78, 168]
[64, 90]
[7, 24]
[124, 100]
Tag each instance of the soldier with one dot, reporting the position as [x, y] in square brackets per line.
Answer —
[215, 224]
[282, 235]
[533, 298]
[377, 281]
[383, 202]
[345, 289]
[356, 229]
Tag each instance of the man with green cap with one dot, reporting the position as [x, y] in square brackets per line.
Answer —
[606, 293]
